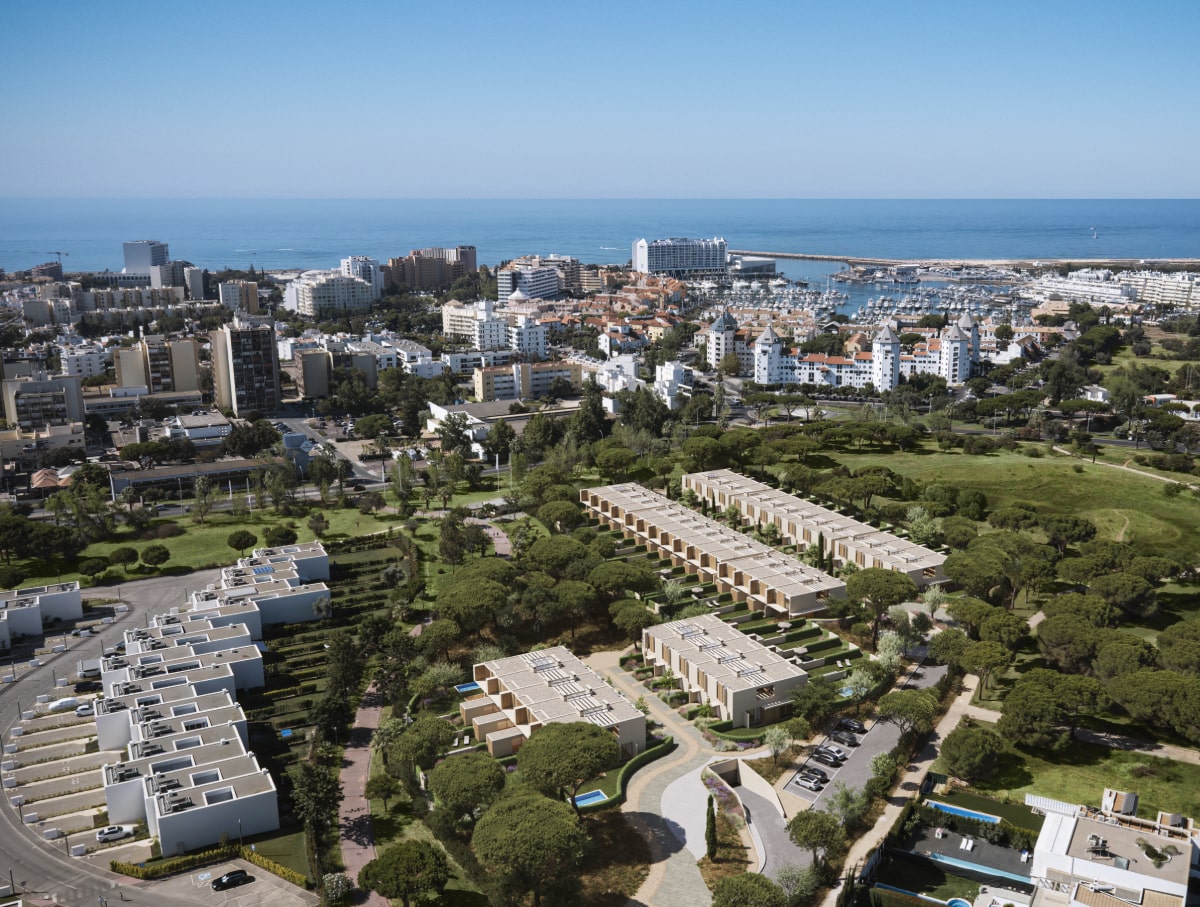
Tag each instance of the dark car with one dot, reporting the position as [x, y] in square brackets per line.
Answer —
[88, 686]
[811, 771]
[231, 880]
[852, 724]
[826, 759]
[844, 737]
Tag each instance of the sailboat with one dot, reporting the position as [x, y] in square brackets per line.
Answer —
[1095, 235]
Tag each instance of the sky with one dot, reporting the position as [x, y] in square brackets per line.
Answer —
[608, 99]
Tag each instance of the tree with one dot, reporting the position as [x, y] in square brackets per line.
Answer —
[318, 524]
[1003, 627]
[561, 758]
[614, 577]
[315, 795]
[499, 440]
[881, 589]
[438, 636]
[124, 556]
[560, 516]
[848, 804]
[984, 659]
[1031, 716]
[279, 536]
[815, 701]
[1132, 594]
[466, 784]
[203, 505]
[425, 738]
[909, 710]
[817, 831]
[406, 870]
[972, 753]
[710, 830]
[241, 539]
[970, 613]
[730, 364]
[777, 740]
[471, 602]
[947, 647]
[336, 887]
[748, 889]
[632, 621]
[155, 555]
[382, 787]
[529, 840]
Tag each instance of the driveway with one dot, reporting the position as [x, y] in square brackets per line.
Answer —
[881, 737]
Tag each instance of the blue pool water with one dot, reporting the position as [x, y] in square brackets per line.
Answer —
[467, 687]
[977, 867]
[965, 813]
[958, 902]
[846, 692]
[594, 796]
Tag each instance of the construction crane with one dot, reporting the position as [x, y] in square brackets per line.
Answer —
[59, 254]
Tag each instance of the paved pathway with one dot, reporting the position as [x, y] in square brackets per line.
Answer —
[354, 815]
[1139, 472]
[1113, 741]
[674, 879]
[777, 849]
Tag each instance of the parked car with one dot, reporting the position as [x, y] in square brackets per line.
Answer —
[835, 751]
[852, 724]
[89, 686]
[812, 784]
[815, 772]
[231, 880]
[826, 759]
[84, 711]
[844, 737]
[113, 833]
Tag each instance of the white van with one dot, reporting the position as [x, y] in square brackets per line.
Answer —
[63, 705]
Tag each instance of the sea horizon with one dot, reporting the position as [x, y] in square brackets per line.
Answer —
[290, 233]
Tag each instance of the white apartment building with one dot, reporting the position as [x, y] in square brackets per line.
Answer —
[746, 682]
[673, 384]
[475, 322]
[328, 294]
[679, 257]
[801, 522]
[524, 693]
[142, 254]
[365, 269]
[527, 336]
[85, 361]
[533, 282]
[193, 282]
[22, 611]
[239, 295]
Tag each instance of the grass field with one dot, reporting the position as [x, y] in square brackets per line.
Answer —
[1117, 502]
[922, 877]
[1083, 771]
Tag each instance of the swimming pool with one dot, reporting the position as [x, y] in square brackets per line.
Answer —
[958, 902]
[467, 687]
[592, 796]
[977, 867]
[965, 813]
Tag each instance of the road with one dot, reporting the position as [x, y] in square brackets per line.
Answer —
[39, 868]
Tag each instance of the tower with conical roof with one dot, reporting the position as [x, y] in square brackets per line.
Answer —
[721, 338]
[768, 358]
[971, 329]
[885, 359]
[955, 365]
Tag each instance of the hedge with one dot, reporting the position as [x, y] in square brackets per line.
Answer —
[216, 855]
[627, 770]
[882, 897]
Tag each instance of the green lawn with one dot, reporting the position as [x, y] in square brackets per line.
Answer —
[284, 847]
[1018, 814]
[1083, 771]
[930, 879]
[1118, 502]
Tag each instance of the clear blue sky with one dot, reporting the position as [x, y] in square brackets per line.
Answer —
[824, 98]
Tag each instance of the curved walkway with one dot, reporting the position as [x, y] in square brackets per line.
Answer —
[1136, 472]
[354, 815]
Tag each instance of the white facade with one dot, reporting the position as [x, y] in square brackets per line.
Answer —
[533, 282]
[365, 269]
[141, 254]
[193, 281]
[527, 336]
[326, 294]
[679, 257]
[83, 361]
[673, 384]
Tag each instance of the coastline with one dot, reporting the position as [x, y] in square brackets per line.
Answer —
[860, 261]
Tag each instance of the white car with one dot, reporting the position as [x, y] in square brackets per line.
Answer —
[836, 751]
[808, 782]
[113, 833]
[84, 711]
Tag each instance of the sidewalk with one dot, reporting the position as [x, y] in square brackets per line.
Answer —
[354, 815]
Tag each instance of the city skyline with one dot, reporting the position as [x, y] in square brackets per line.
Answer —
[305, 100]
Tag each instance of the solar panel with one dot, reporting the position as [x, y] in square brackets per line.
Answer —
[259, 571]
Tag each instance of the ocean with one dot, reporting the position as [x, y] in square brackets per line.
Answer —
[317, 233]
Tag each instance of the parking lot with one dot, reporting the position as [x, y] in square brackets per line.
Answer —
[263, 889]
[880, 737]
